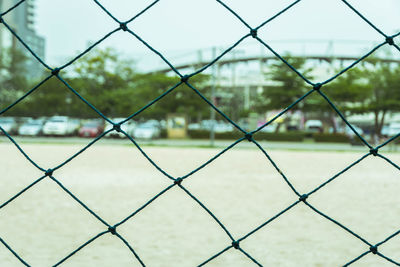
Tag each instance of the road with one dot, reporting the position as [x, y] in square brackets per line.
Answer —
[274, 145]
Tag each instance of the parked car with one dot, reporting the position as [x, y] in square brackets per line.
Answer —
[146, 131]
[270, 128]
[9, 125]
[222, 127]
[92, 128]
[194, 126]
[126, 127]
[349, 132]
[217, 126]
[31, 127]
[207, 124]
[313, 126]
[60, 125]
[74, 125]
[391, 129]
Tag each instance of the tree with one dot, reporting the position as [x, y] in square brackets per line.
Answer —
[112, 85]
[373, 87]
[345, 92]
[105, 80]
[13, 81]
[288, 85]
[182, 100]
[382, 82]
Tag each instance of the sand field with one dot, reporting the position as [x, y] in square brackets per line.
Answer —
[240, 187]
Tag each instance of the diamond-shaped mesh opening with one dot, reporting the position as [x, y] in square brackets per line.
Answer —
[58, 221]
[365, 208]
[301, 168]
[70, 18]
[350, 27]
[52, 98]
[156, 26]
[302, 237]
[369, 83]
[174, 210]
[171, 228]
[17, 172]
[256, 191]
[380, 15]
[88, 173]
[332, 37]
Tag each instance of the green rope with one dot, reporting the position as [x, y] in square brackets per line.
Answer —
[249, 136]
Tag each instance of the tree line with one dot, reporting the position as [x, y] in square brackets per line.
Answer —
[111, 84]
[107, 81]
[373, 86]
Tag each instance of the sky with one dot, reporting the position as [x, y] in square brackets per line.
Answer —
[179, 28]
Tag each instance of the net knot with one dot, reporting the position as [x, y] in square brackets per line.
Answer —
[117, 127]
[123, 26]
[249, 137]
[253, 33]
[373, 249]
[1, 19]
[185, 78]
[390, 40]
[55, 71]
[49, 172]
[178, 181]
[112, 230]
[373, 151]
[317, 86]
[235, 244]
[303, 197]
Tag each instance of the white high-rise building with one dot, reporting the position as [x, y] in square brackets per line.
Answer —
[21, 20]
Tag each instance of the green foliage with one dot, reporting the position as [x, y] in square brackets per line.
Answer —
[343, 91]
[373, 87]
[104, 80]
[288, 85]
[205, 134]
[331, 138]
[260, 136]
[285, 137]
[109, 83]
[182, 100]
[13, 81]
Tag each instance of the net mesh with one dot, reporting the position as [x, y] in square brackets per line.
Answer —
[248, 136]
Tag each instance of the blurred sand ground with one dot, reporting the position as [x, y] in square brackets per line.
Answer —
[241, 188]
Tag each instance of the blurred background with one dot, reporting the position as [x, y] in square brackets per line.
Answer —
[249, 84]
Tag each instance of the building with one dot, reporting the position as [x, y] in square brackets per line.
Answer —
[21, 20]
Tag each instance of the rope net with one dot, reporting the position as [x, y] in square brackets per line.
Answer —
[247, 136]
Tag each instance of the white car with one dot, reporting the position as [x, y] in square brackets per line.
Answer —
[391, 129]
[74, 126]
[146, 131]
[8, 124]
[31, 127]
[222, 127]
[126, 127]
[349, 132]
[270, 128]
[59, 125]
[313, 126]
